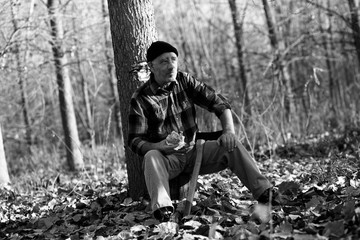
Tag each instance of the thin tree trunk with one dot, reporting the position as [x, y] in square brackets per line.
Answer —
[356, 35]
[21, 70]
[338, 82]
[111, 76]
[243, 88]
[133, 30]
[72, 142]
[355, 27]
[277, 45]
[4, 173]
[347, 72]
[225, 58]
[329, 67]
[89, 120]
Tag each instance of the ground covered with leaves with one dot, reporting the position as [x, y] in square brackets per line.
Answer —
[319, 182]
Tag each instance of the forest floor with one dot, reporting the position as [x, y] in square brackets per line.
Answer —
[319, 181]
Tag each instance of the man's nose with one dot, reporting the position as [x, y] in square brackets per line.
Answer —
[172, 65]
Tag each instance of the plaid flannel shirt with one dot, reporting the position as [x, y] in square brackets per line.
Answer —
[155, 112]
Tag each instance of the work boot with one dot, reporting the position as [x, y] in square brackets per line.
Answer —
[163, 214]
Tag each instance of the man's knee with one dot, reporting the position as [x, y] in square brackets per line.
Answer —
[151, 157]
[152, 154]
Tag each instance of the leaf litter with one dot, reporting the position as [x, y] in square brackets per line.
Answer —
[319, 185]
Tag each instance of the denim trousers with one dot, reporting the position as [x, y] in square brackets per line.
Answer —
[159, 169]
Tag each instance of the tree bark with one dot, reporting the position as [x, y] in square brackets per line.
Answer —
[243, 88]
[72, 142]
[21, 71]
[4, 173]
[132, 27]
[112, 76]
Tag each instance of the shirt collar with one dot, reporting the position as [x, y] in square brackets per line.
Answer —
[155, 87]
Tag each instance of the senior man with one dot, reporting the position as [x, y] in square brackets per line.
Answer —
[166, 103]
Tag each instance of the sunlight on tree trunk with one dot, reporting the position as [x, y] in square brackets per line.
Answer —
[72, 142]
[133, 30]
[4, 174]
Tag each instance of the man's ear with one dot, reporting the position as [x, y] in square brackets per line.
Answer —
[150, 64]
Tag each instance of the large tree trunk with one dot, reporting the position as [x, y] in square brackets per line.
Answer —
[243, 88]
[133, 30]
[4, 174]
[278, 46]
[72, 142]
[21, 70]
[112, 76]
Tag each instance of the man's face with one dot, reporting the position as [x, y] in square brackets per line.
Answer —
[164, 68]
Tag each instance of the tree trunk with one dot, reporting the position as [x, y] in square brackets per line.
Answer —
[278, 46]
[243, 88]
[4, 174]
[72, 142]
[338, 83]
[355, 27]
[112, 76]
[21, 71]
[132, 26]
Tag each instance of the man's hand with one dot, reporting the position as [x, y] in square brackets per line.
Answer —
[227, 140]
[171, 149]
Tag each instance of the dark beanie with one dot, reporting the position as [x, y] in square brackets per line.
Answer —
[157, 48]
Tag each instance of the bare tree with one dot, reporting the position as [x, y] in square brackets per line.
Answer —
[243, 88]
[4, 174]
[72, 142]
[133, 30]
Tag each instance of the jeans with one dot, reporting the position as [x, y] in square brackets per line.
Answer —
[159, 169]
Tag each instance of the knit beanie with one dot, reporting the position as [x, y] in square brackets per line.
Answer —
[157, 48]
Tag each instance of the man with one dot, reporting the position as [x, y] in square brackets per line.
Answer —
[165, 103]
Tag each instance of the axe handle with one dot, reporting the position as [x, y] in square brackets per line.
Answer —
[194, 176]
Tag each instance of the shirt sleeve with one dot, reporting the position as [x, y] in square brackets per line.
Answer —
[206, 97]
[138, 126]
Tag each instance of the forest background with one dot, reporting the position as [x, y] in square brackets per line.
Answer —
[302, 80]
[289, 68]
